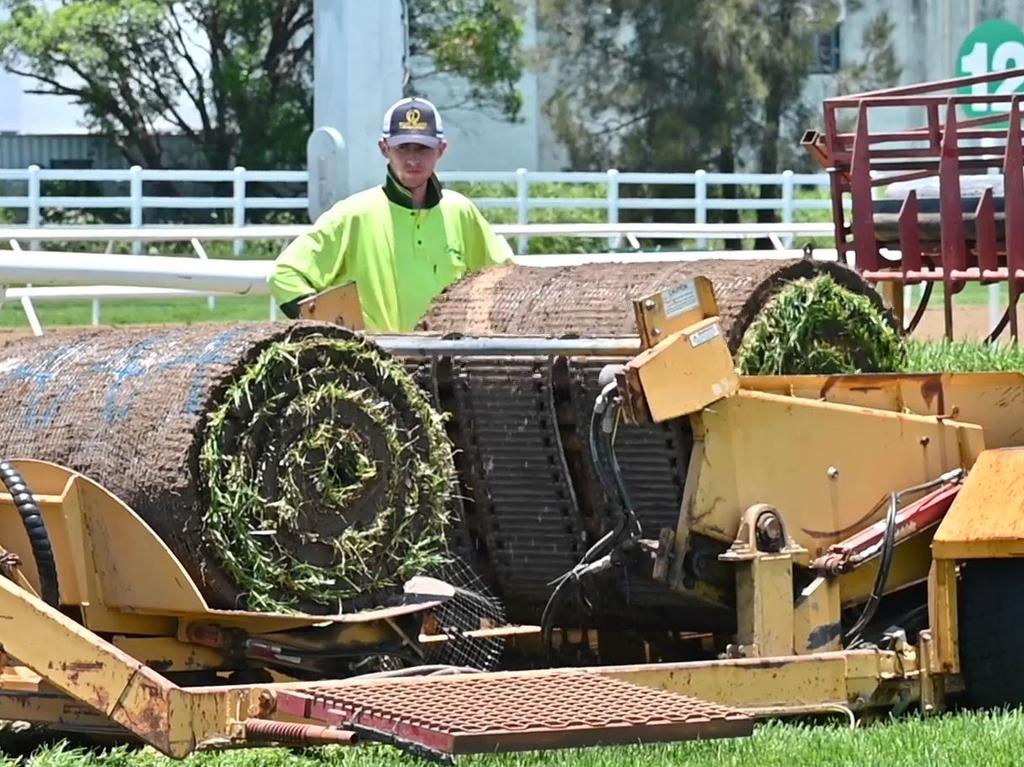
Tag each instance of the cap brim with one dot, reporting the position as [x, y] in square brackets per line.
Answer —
[408, 138]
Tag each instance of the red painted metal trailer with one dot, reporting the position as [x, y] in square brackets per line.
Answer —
[940, 203]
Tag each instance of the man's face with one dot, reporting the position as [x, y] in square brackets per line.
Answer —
[412, 164]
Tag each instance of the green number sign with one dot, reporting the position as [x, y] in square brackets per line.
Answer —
[992, 46]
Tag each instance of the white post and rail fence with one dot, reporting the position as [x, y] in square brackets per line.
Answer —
[135, 191]
[223, 206]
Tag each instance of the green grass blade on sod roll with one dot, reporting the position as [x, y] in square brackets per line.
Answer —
[817, 326]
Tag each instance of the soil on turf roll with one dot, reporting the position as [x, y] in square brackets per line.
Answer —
[288, 466]
[594, 300]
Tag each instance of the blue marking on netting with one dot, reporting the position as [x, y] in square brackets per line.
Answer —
[50, 384]
[214, 354]
[40, 376]
[120, 398]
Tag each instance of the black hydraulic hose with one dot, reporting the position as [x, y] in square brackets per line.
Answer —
[602, 421]
[922, 305]
[35, 527]
[884, 564]
[853, 636]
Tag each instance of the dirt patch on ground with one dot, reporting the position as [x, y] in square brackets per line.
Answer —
[969, 323]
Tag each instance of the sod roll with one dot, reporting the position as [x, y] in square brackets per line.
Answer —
[817, 326]
[595, 300]
[287, 466]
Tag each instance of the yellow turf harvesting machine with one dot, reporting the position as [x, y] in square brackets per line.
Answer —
[843, 543]
[665, 549]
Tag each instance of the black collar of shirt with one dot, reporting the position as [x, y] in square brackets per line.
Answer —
[399, 195]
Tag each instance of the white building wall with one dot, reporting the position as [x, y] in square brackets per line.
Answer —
[481, 141]
[927, 35]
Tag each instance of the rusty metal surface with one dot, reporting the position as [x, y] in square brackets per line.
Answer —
[514, 712]
[294, 733]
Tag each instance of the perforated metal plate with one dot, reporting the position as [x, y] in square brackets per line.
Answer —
[514, 712]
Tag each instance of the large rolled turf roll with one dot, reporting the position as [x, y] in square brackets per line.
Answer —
[288, 466]
[594, 300]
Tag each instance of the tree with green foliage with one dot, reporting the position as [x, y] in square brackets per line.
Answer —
[234, 78]
[678, 85]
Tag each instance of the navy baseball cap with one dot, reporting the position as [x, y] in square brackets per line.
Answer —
[413, 121]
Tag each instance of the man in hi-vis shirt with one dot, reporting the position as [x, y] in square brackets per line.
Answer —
[401, 243]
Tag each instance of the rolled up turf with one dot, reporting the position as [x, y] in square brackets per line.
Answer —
[816, 326]
[288, 466]
[843, 315]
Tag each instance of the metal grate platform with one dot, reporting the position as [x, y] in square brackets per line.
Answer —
[514, 712]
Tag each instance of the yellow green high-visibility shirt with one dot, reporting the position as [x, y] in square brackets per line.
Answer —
[400, 258]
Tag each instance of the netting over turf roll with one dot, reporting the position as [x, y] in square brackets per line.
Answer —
[593, 300]
[287, 466]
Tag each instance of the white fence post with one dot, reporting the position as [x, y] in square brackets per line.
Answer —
[700, 196]
[522, 205]
[135, 192]
[35, 213]
[787, 202]
[239, 206]
[613, 205]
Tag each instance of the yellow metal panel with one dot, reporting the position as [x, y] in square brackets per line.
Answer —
[764, 605]
[852, 679]
[134, 569]
[664, 313]
[942, 614]
[986, 519]
[688, 370]
[827, 468]
[67, 655]
[164, 654]
[910, 565]
[994, 401]
[817, 617]
[51, 489]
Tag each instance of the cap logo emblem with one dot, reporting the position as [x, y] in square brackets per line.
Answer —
[413, 121]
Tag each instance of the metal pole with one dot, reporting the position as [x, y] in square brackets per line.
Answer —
[613, 205]
[700, 195]
[239, 206]
[486, 346]
[135, 190]
[522, 206]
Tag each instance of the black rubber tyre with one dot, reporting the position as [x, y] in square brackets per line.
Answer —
[991, 610]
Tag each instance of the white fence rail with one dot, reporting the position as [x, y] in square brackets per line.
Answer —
[138, 190]
[62, 276]
[780, 235]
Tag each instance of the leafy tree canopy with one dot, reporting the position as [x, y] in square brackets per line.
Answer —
[234, 77]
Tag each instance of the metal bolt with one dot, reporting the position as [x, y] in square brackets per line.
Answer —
[833, 472]
[768, 528]
[656, 332]
[649, 304]
[268, 703]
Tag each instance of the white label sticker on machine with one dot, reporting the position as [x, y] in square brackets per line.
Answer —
[681, 298]
[704, 335]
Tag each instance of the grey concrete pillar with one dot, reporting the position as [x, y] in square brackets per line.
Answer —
[359, 54]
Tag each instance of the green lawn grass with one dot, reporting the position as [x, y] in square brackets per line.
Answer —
[953, 740]
[140, 311]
